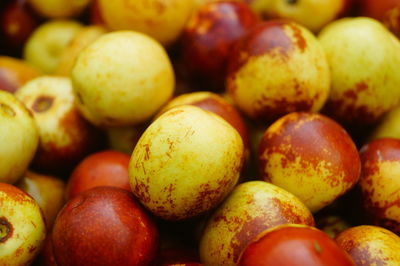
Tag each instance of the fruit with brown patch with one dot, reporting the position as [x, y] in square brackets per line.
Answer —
[311, 156]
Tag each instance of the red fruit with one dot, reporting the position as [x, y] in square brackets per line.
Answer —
[105, 168]
[376, 9]
[104, 226]
[294, 245]
[208, 38]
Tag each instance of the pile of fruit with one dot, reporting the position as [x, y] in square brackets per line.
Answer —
[199, 132]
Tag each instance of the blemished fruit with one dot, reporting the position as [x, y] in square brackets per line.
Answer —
[19, 138]
[106, 226]
[14, 73]
[59, 8]
[251, 208]
[311, 156]
[294, 245]
[370, 89]
[65, 137]
[122, 79]
[103, 168]
[278, 67]
[47, 43]
[163, 20]
[48, 192]
[370, 245]
[22, 227]
[172, 170]
[380, 182]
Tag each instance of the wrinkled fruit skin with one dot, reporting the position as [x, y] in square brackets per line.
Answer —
[294, 245]
[251, 208]
[104, 226]
[311, 156]
[172, 170]
[380, 182]
[370, 245]
[278, 67]
[22, 227]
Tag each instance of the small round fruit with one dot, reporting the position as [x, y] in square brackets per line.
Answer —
[380, 182]
[46, 44]
[251, 208]
[19, 138]
[14, 73]
[122, 79]
[172, 170]
[278, 67]
[22, 226]
[370, 245]
[104, 226]
[311, 156]
[160, 19]
[365, 93]
[294, 245]
[104, 168]
[59, 8]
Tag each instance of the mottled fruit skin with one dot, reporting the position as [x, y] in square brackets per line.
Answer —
[380, 182]
[104, 168]
[377, 9]
[104, 226]
[370, 245]
[162, 20]
[212, 102]
[392, 20]
[22, 227]
[363, 95]
[251, 208]
[311, 156]
[294, 245]
[172, 170]
[277, 68]
[208, 38]
[19, 138]
[122, 79]
[65, 136]
[14, 73]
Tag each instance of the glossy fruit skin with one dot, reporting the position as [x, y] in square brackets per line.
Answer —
[22, 227]
[208, 38]
[380, 182]
[294, 245]
[311, 156]
[251, 208]
[14, 73]
[278, 67]
[104, 226]
[104, 168]
[370, 245]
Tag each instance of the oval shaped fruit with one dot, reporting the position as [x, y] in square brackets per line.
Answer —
[294, 245]
[172, 170]
[22, 226]
[46, 44]
[104, 168]
[380, 182]
[370, 245]
[371, 89]
[278, 67]
[65, 137]
[251, 208]
[105, 226]
[311, 156]
[122, 79]
[163, 20]
[19, 138]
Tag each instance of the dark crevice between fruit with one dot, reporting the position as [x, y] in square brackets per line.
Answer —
[6, 230]
[292, 2]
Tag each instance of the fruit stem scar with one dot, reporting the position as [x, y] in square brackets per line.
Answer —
[6, 230]
[317, 247]
[292, 2]
[7, 109]
[42, 104]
